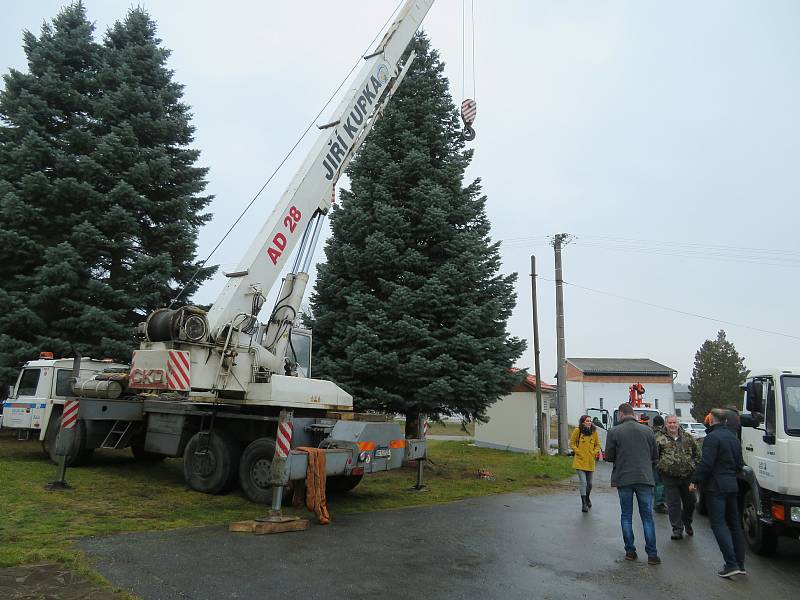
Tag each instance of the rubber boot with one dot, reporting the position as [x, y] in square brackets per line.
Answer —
[584, 504]
[588, 499]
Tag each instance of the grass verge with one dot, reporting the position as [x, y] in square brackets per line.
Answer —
[115, 494]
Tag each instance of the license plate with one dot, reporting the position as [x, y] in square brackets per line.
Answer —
[383, 453]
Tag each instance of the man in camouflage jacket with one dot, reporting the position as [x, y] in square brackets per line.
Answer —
[678, 457]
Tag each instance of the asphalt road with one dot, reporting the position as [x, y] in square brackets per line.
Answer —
[505, 547]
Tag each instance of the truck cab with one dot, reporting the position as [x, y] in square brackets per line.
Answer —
[36, 401]
[604, 420]
[770, 482]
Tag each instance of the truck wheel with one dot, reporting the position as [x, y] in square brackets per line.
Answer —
[761, 538]
[338, 484]
[210, 465]
[80, 454]
[254, 470]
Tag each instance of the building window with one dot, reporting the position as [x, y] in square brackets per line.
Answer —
[677, 412]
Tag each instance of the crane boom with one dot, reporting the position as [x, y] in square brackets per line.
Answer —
[227, 353]
[310, 191]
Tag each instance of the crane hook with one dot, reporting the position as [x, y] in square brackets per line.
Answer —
[468, 113]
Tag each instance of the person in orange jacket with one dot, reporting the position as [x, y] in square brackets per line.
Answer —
[585, 445]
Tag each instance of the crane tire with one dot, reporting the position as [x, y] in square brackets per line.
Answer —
[80, 454]
[254, 470]
[213, 469]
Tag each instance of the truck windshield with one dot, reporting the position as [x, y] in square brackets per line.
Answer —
[28, 382]
[791, 405]
[64, 382]
[300, 352]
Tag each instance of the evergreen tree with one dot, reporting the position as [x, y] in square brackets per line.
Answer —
[410, 312]
[99, 193]
[718, 372]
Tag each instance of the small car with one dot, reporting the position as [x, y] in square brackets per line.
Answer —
[696, 430]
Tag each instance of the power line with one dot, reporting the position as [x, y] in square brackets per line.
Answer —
[686, 244]
[675, 310]
[660, 244]
[755, 256]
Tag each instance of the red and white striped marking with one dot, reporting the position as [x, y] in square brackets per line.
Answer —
[70, 415]
[179, 371]
[469, 109]
[284, 442]
[425, 429]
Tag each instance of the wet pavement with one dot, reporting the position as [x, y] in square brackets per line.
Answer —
[510, 546]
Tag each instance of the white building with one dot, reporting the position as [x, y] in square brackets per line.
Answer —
[513, 424]
[605, 383]
[683, 403]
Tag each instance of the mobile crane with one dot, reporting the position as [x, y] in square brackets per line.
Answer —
[222, 389]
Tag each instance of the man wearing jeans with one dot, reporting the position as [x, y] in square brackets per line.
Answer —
[722, 460]
[632, 448]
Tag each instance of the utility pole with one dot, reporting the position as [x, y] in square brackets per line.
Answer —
[542, 419]
[560, 240]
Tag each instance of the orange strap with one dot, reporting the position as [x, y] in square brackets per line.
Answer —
[315, 484]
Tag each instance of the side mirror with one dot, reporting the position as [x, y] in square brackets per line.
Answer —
[752, 420]
[769, 439]
[605, 418]
[754, 394]
[596, 422]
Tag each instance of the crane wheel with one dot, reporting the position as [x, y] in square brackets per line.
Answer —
[211, 461]
[80, 454]
[254, 470]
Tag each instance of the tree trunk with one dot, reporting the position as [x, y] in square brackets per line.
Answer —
[413, 425]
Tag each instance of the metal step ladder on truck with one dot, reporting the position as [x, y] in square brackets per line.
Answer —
[36, 401]
[225, 391]
[769, 486]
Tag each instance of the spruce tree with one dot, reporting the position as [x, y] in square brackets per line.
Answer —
[99, 193]
[410, 311]
[718, 372]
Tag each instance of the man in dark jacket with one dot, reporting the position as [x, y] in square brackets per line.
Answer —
[722, 460]
[631, 446]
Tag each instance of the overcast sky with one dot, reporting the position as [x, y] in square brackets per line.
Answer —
[664, 135]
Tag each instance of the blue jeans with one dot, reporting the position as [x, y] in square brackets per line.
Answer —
[644, 498]
[723, 512]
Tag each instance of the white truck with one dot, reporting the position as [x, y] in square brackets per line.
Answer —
[770, 483]
[224, 390]
[36, 401]
[604, 420]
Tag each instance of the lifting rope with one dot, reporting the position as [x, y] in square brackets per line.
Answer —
[468, 105]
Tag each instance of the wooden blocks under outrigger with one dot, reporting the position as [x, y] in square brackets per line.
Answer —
[269, 525]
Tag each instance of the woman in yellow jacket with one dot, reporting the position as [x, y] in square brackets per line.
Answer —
[585, 445]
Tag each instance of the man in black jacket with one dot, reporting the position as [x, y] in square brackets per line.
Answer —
[722, 460]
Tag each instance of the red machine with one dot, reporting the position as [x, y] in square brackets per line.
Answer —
[636, 391]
